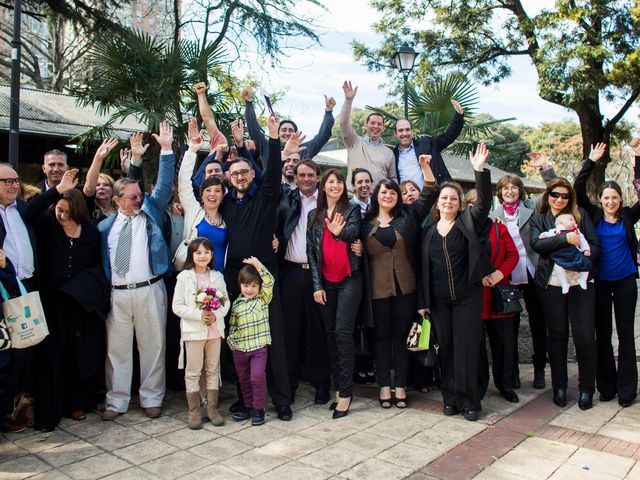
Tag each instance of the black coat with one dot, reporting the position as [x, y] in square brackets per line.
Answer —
[288, 215]
[470, 223]
[433, 146]
[628, 215]
[546, 246]
[348, 235]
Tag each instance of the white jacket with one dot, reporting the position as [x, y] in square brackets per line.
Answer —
[193, 211]
[184, 305]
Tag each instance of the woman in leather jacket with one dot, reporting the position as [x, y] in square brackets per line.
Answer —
[337, 280]
[578, 305]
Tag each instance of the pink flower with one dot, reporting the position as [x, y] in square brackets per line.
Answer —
[215, 303]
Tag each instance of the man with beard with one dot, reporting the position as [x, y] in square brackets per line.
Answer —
[288, 167]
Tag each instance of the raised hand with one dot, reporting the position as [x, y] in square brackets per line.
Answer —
[105, 148]
[538, 160]
[247, 94]
[597, 152]
[237, 131]
[329, 103]
[457, 107]
[425, 165]
[68, 181]
[253, 261]
[293, 144]
[221, 151]
[336, 225]
[195, 143]
[479, 158]
[192, 128]
[349, 91]
[273, 123]
[200, 88]
[137, 148]
[635, 145]
[125, 160]
[165, 137]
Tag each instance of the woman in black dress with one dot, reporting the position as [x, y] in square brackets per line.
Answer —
[75, 297]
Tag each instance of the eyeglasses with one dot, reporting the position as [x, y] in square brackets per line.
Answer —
[10, 181]
[563, 196]
[240, 173]
[134, 196]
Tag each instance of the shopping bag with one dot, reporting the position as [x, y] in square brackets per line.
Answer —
[419, 334]
[24, 317]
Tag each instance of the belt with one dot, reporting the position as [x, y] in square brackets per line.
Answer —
[131, 286]
[304, 266]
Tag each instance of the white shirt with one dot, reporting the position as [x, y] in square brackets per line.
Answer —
[519, 274]
[364, 206]
[139, 268]
[17, 245]
[408, 166]
[297, 245]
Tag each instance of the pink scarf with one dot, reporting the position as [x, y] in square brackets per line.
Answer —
[511, 208]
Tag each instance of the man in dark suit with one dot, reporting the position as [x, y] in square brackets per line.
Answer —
[17, 241]
[408, 149]
[53, 166]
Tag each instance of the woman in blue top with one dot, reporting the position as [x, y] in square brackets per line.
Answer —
[615, 281]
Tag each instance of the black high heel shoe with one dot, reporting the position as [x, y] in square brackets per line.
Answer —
[342, 413]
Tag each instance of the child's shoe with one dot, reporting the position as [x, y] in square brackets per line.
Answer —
[242, 415]
[258, 417]
[195, 421]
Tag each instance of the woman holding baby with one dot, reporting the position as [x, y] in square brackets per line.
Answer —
[615, 280]
[578, 304]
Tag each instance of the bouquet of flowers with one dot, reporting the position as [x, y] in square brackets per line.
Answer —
[210, 299]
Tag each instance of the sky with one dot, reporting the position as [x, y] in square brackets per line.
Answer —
[306, 75]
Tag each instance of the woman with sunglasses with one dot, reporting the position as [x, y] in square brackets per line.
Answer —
[615, 281]
[578, 305]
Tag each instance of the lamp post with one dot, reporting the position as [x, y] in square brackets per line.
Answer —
[405, 59]
[14, 111]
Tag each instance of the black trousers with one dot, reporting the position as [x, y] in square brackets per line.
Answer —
[578, 308]
[175, 377]
[459, 329]
[339, 317]
[502, 343]
[623, 294]
[392, 318]
[305, 338]
[537, 325]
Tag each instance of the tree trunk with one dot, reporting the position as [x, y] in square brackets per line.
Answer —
[592, 129]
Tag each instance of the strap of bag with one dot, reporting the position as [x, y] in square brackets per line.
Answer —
[495, 257]
[5, 295]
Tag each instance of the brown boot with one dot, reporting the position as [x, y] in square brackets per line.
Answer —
[193, 399]
[212, 408]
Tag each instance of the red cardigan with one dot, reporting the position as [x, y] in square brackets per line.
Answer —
[506, 261]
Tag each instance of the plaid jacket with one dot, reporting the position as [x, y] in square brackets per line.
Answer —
[249, 322]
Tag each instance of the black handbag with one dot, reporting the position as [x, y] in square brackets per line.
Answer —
[505, 299]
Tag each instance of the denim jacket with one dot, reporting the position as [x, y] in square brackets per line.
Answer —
[153, 206]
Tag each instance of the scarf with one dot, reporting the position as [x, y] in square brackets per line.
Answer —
[511, 208]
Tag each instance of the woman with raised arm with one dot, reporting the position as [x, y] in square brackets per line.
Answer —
[578, 305]
[337, 279]
[615, 280]
[454, 263]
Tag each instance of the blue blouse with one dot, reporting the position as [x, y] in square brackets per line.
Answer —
[219, 236]
[616, 259]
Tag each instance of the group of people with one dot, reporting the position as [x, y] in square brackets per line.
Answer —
[259, 267]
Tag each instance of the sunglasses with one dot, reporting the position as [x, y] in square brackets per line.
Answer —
[563, 196]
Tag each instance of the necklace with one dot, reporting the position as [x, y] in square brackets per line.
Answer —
[71, 237]
[215, 223]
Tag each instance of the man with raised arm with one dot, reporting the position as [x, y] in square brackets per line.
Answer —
[368, 152]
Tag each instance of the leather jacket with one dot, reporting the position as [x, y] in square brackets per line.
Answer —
[546, 246]
[348, 235]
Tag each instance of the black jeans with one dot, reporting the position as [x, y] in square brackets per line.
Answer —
[339, 317]
[459, 330]
[501, 340]
[623, 294]
[577, 307]
[392, 318]
[305, 338]
[537, 325]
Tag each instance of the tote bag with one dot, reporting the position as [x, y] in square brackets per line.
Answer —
[24, 317]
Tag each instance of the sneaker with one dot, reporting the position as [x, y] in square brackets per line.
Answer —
[242, 415]
[258, 417]
[110, 415]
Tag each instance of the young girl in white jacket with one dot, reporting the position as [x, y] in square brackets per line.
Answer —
[202, 326]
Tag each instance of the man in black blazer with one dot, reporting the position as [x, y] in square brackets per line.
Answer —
[54, 165]
[408, 149]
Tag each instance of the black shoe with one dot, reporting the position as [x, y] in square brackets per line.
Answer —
[585, 400]
[322, 397]
[470, 414]
[516, 382]
[242, 415]
[450, 410]
[360, 378]
[236, 407]
[510, 396]
[560, 397]
[607, 398]
[538, 379]
[625, 403]
[284, 413]
[371, 378]
[333, 405]
[257, 418]
[342, 413]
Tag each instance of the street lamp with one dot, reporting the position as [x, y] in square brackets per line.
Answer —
[405, 59]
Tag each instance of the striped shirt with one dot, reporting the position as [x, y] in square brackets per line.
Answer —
[249, 322]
